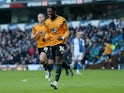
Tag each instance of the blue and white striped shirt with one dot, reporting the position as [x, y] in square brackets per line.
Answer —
[78, 45]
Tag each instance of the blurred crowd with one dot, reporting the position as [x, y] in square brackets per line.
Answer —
[96, 36]
[16, 47]
[87, 16]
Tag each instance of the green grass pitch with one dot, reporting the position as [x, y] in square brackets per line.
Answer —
[91, 81]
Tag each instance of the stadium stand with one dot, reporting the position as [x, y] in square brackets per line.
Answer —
[16, 46]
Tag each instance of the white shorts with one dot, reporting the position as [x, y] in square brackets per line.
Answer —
[78, 56]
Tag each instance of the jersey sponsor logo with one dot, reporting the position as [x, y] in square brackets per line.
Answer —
[42, 33]
[54, 30]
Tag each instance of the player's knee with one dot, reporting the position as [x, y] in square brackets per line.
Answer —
[42, 60]
[59, 60]
[50, 61]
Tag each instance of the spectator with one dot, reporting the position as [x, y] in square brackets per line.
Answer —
[17, 40]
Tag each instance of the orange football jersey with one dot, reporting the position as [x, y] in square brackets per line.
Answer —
[108, 49]
[57, 27]
[42, 32]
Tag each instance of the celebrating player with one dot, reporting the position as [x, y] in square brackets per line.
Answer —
[58, 31]
[40, 33]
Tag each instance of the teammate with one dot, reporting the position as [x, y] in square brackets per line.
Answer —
[78, 50]
[107, 53]
[58, 31]
[40, 33]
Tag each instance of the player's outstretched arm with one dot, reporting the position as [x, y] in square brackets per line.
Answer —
[34, 35]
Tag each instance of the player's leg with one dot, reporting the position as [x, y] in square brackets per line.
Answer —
[67, 67]
[43, 60]
[66, 64]
[50, 68]
[79, 65]
[50, 59]
[50, 63]
[105, 64]
[59, 67]
[58, 58]
[73, 61]
[106, 61]
[110, 61]
[58, 71]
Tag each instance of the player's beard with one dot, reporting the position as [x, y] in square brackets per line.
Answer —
[52, 17]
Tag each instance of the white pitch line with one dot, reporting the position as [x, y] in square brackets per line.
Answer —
[24, 80]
